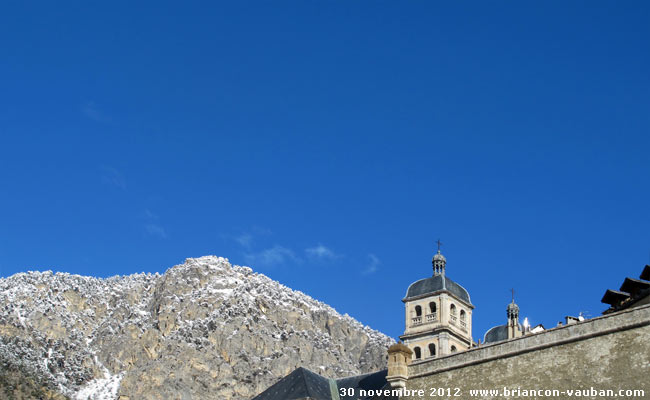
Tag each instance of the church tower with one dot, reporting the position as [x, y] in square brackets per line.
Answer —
[514, 328]
[438, 314]
[511, 330]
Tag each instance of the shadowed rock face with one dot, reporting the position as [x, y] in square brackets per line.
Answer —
[202, 330]
[18, 384]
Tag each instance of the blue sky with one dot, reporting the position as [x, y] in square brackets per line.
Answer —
[329, 144]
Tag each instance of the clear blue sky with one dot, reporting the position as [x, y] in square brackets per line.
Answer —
[329, 144]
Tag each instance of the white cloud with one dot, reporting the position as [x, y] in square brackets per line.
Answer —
[245, 240]
[152, 226]
[321, 252]
[156, 230]
[91, 111]
[276, 255]
[372, 266]
[113, 177]
[149, 214]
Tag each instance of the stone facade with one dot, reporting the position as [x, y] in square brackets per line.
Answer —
[399, 358]
[440, 328]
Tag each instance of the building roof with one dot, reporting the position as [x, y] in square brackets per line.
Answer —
[632, 292]
[300, 384]
[303, 384]
[436, 283]
[612, 297]
[496, 334]
[634, 286]
[646, 273]
[373, 381]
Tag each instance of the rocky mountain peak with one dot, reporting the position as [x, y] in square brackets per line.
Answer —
[203, 329]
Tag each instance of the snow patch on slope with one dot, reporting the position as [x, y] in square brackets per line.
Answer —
[100, 389]
[57, 324]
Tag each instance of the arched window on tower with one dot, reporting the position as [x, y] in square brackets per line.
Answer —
[462, 315]
[417, 353]
[417, 319]
[452, 313]
[432, 312]
[432, 349]
[453, 349]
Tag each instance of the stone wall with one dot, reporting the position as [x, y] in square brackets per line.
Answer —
[609, 352]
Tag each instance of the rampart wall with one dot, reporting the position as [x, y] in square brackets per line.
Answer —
[611, 352]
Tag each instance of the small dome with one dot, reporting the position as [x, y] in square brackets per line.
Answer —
[439, 262]
[513, 307]
[497, 334]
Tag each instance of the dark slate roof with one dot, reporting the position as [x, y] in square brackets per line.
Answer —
[373, 381]
[300, 384]
[613, 297]
[497, 334]
[630, 293]
[634, 286]
[434, 284]
[646, 273]
[304, 384]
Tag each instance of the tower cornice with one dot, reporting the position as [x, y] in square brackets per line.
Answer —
[437, 293]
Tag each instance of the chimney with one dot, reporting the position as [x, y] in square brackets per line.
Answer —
[399, 358]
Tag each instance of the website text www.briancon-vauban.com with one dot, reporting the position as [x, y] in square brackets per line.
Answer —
[505, 392]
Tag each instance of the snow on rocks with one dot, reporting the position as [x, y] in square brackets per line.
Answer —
[204, 326]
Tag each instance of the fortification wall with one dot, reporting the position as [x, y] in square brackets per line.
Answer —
[611, 352]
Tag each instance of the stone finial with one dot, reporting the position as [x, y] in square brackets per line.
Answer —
[399, 358]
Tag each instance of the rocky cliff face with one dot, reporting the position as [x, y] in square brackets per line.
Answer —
[202, 330]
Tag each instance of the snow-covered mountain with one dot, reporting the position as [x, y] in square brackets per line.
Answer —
[202, 330]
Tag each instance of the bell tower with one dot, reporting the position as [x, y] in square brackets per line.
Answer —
[514, 328]
[438, 314]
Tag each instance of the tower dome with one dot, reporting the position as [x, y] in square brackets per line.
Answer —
[439, 282]
[439, 262]
[439, 257]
